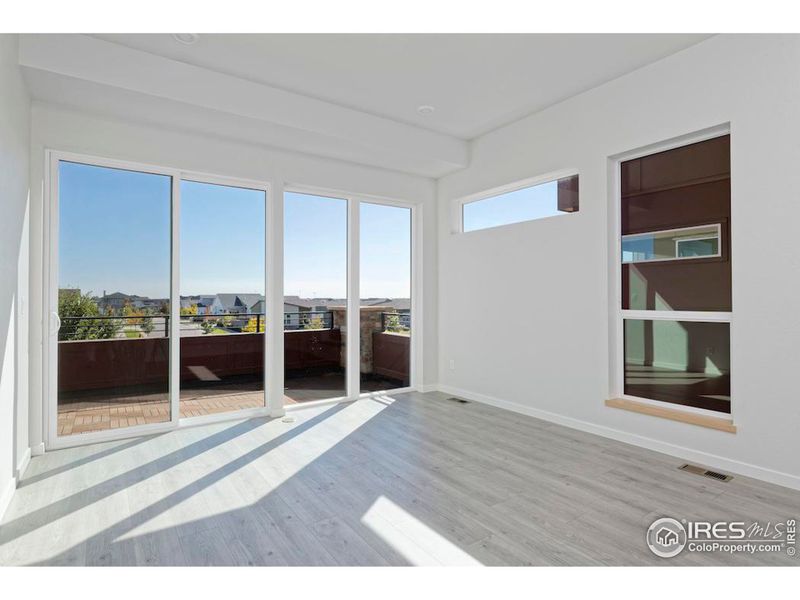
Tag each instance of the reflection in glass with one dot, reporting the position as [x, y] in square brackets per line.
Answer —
[684, 243]
[683, 362]
[315, 301]
[113, 298]
[222, 313]
[385, 269]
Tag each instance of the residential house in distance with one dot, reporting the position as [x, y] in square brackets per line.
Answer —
[202, 302]
[293, 306]
[233, 304]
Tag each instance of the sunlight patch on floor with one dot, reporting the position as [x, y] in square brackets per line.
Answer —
[410, 537]
[276, 464]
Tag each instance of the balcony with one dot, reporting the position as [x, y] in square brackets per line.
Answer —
[123, 380]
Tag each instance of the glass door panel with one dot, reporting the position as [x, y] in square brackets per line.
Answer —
[113, 298]
[315, 301]
[222, 287]
[386, 325]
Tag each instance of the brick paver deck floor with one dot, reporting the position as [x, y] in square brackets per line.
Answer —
[99, 412]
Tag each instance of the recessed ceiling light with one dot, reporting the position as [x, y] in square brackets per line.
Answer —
[425, 109]
[186, 38]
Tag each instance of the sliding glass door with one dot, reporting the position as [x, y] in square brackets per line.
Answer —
[222, 312]
[157, 301]
[385, 307]
[112, 299]
[158, 304]
[315, 297]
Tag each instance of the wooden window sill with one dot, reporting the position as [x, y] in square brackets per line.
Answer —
[718, 423]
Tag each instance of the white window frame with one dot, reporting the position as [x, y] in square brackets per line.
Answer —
[457, 208]
[618, 314]
[353, 375]
[718, 254]
[273, 355]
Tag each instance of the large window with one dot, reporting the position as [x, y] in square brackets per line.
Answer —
[548, 199]
[676, 276]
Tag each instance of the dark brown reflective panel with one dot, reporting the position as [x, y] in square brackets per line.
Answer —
[222, 314]
[681, 362]
[673, 193]
[113, 298]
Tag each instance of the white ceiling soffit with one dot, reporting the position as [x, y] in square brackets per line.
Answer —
[476, 82]
[346, 96]
[92, 74]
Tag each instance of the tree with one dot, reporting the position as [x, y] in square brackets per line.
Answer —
[130, 312]
[189, 311]
[315, 322]
[251, 325]
[76, 311]
[147, 325]
[393, 323]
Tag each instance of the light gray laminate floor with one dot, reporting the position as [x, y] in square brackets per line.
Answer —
[398, 480]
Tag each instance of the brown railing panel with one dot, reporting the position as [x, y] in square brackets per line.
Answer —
[391, 354]
[305, 349]
[115, 363]
[99, 364]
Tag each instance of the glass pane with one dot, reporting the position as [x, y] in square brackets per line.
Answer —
[385, 267]
[535, 202]
[686, 243]
[682, 362]
[222, 298]
[676, 218]
[315, 301]
[113, 300]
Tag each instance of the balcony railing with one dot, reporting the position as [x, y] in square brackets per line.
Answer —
[126, 326]
[133, 358]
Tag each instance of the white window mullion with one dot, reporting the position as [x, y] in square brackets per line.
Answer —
[353, 368]
[273, 334]
[677, 315]
[175, 303]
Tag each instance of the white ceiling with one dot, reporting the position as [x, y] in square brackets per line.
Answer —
[475, 82]
[349, 97]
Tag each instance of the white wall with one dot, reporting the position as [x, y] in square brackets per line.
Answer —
[556, 358]
[67, 130]
[14, 141]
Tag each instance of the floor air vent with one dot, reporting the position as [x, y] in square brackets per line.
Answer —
[705, 472]
[459, 400]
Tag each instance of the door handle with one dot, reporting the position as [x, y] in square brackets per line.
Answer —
[55, 323]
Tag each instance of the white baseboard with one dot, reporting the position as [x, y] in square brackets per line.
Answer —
[704, 458]
[37, 450]
[6, 494]
[428, 388]
[23, 464]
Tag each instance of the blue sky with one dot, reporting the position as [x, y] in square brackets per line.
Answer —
[114, 230]
[114, 236]
[521, 205]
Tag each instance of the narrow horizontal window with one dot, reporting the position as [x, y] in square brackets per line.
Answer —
[672, 244]
[527, 204]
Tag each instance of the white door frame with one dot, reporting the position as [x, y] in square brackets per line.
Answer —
[50, 305]
[273, 339]
[354, 201]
